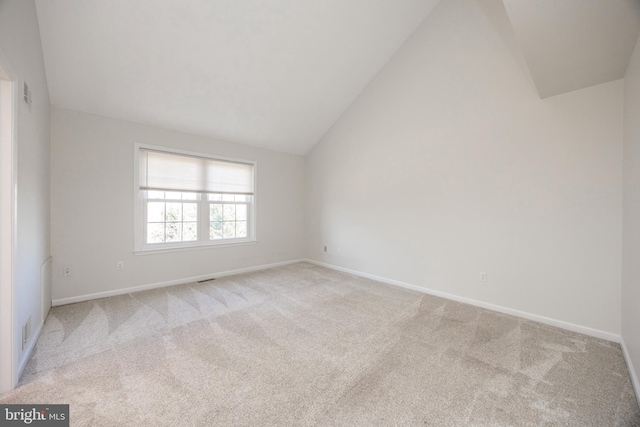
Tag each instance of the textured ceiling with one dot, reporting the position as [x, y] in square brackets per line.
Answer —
[278, 73]
[269, 73]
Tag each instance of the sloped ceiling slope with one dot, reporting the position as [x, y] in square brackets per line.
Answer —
[278, 73]
[573, 44]
[269, 73]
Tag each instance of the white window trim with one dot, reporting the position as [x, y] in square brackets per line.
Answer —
[140, 248]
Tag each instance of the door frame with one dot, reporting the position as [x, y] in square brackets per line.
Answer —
[9, 352]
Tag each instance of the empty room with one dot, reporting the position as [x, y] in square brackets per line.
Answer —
[320, 213]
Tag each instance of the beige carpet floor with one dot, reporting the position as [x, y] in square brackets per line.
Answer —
[304, 345]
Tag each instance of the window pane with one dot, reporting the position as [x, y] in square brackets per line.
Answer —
[155, 212]
[229, 230]
[155, 233]
[174, 232]
[155, 194]
[189, 212]
[189, 231]
[241, 212]
[174, 212]
[241, 229]
[229, 213]
[215, 230]
[177, 220]
[215, 212]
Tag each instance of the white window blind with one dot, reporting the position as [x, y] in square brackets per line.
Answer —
[174, 172]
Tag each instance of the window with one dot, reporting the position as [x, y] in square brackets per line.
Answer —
[186, 200]
[228, 216]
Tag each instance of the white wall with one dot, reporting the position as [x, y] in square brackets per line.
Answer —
[92, 207]
[631, 217]
[20, 43]
[449, 164]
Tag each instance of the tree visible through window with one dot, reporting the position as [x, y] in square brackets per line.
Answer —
[172, 217]
[228, 216]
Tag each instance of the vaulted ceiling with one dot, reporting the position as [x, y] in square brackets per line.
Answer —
[270, 73]
[573, 44]
[278, 73]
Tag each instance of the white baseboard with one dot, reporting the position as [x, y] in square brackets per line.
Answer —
[529, 316]
[31, 344]
[632, 371]
[124, 291]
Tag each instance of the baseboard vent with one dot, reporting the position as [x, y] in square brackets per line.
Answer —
[26, 332]
[26, 95]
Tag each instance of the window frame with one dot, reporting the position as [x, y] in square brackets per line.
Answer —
[204, 241]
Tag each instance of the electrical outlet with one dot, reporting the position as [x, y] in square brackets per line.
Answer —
[120, 265]
[483, 277]
[66, 272]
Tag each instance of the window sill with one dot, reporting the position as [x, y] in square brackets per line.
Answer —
[151, 251]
